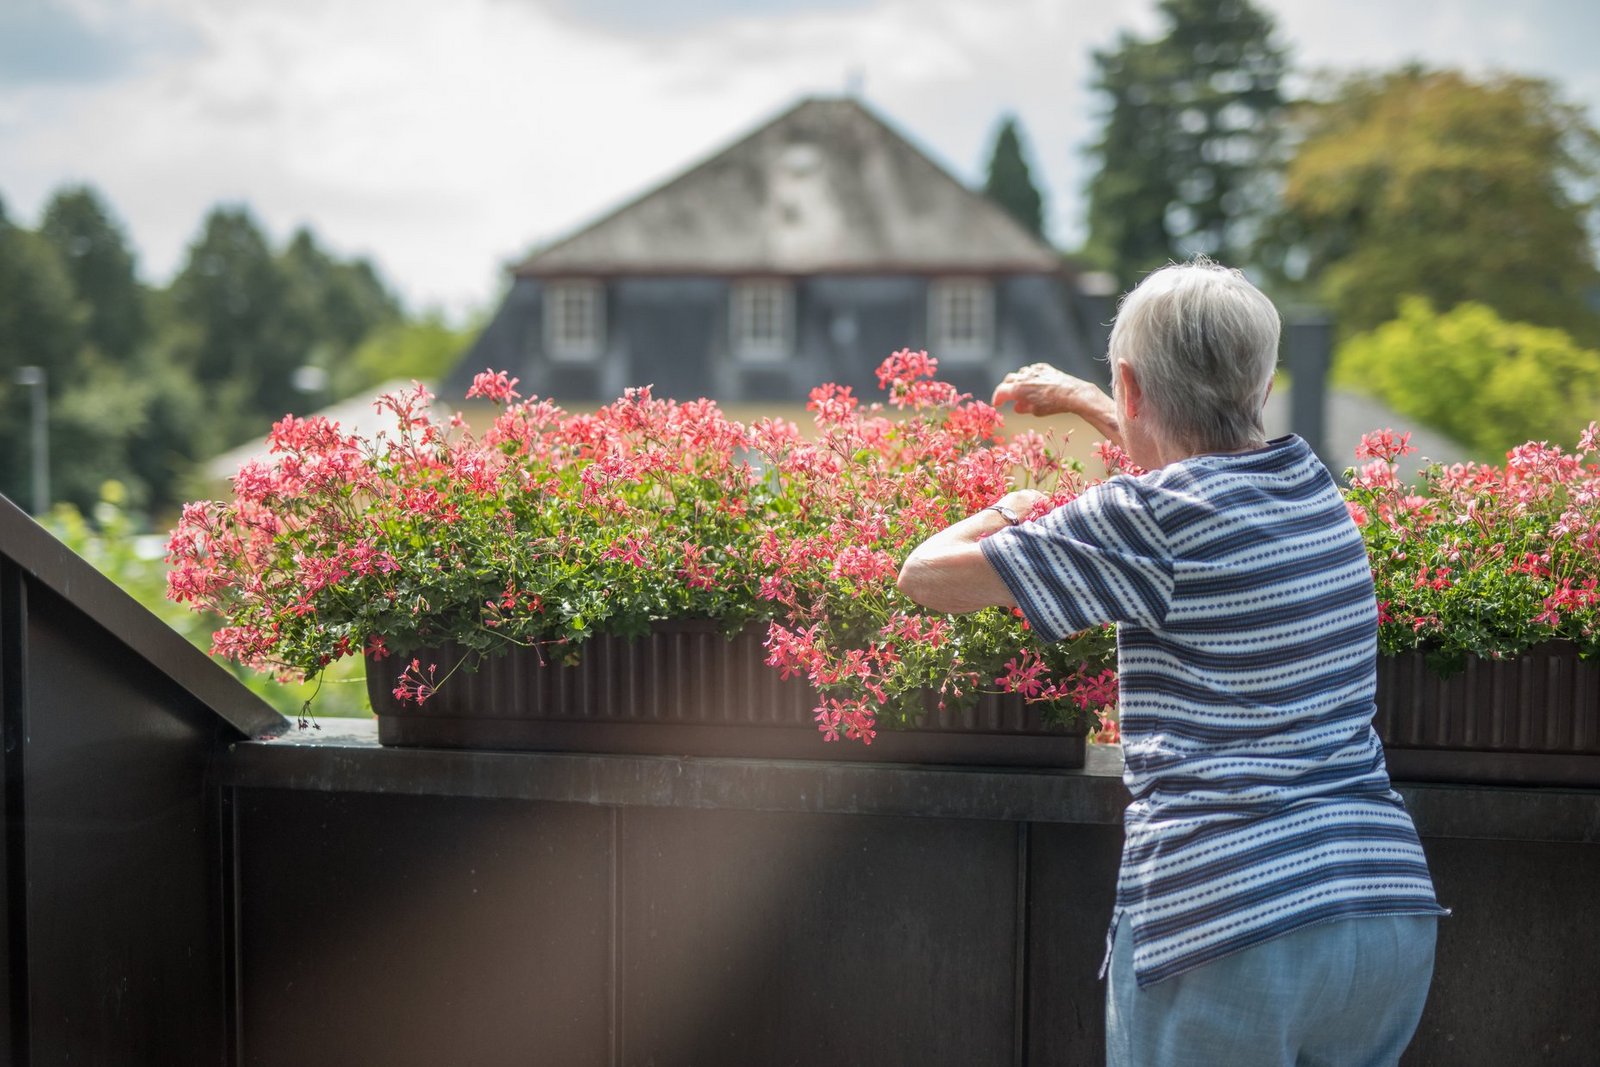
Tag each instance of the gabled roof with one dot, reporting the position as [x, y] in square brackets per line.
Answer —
[825, 186]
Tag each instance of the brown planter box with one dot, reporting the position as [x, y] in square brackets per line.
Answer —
[686, 690]
[1532, 720]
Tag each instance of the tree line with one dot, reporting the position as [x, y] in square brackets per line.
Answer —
[1444, 221]
[142, 383]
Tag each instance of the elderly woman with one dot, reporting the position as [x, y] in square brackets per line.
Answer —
[1261, 807]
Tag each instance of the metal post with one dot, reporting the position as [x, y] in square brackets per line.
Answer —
[36, 379]
[1308, 353]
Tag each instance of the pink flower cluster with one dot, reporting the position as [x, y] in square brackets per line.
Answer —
[868, 487]
[1483, 559]
[553, 526]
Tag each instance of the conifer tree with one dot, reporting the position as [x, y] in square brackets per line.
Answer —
[1189, 154]
[1010, 184]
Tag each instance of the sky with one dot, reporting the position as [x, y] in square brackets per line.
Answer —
[444, 140]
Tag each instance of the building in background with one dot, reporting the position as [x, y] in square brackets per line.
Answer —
[806, 252]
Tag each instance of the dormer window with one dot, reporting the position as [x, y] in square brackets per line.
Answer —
[574, 320]
[961, 319]
[763, 321]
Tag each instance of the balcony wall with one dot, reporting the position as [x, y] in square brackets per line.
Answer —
[574, 909]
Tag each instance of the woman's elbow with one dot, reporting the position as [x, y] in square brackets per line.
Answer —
[912, 581]
[924, 583]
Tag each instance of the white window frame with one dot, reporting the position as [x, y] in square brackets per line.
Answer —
[961, 319]
[766, 345]
[574, 320]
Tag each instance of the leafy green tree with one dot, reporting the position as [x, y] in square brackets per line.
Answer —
[1189, 153]
[41, 325]
[236, 326]
[338, 304]
[1010, 184]
[94, 250]
[1489, 383]
[343, 301]
[129, 415]
[1435, 184]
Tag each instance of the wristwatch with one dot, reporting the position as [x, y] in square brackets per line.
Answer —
[1011, 517]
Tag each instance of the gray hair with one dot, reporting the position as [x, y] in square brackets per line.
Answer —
[1204, 343]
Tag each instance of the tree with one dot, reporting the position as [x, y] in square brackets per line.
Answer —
[1431, 183]
[1488, 383]
[1010, 184]
[95, 252]
[341, 302]
[41, 325]
[1189, 153]
[237, 328]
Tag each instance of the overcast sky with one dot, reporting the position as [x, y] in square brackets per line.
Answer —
[446, 137]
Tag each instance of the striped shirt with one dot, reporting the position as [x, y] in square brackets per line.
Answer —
[1247, 650]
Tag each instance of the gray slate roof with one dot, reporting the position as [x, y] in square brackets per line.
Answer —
[827, 186]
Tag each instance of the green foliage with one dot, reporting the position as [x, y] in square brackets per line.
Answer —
[335, 306]
[1434, 184]
[1010, 184]
[1189, 151]
[1488, 383]
[423, 349]
[142, 384]
[41, 325]
[239, 333]
[94, 250]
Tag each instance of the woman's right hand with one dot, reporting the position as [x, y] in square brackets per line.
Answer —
[1040, 389]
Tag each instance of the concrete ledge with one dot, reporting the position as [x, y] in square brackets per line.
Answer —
[344, 756]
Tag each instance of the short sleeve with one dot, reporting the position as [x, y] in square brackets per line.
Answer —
[1099, 559]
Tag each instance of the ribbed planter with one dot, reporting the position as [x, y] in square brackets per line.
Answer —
[1532, 720]
[686, 690]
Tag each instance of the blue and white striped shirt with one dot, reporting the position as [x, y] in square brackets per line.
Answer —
[1246, 648]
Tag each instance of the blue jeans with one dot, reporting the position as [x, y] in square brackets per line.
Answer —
[1347, 993]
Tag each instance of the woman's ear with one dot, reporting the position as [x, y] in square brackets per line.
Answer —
[1128, 386]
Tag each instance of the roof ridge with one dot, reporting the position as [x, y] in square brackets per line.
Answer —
[879, 200]
[660, 187]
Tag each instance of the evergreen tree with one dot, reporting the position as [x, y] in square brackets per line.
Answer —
[344, 301]
[338, 303]
[1010, 184]
[1189, 151]
[41, 325]
[237, 329]
[96, 255]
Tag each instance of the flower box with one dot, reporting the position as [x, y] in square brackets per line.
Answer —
[1532, 719]
[687, 690]
[1494, 569]
[551, 530]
